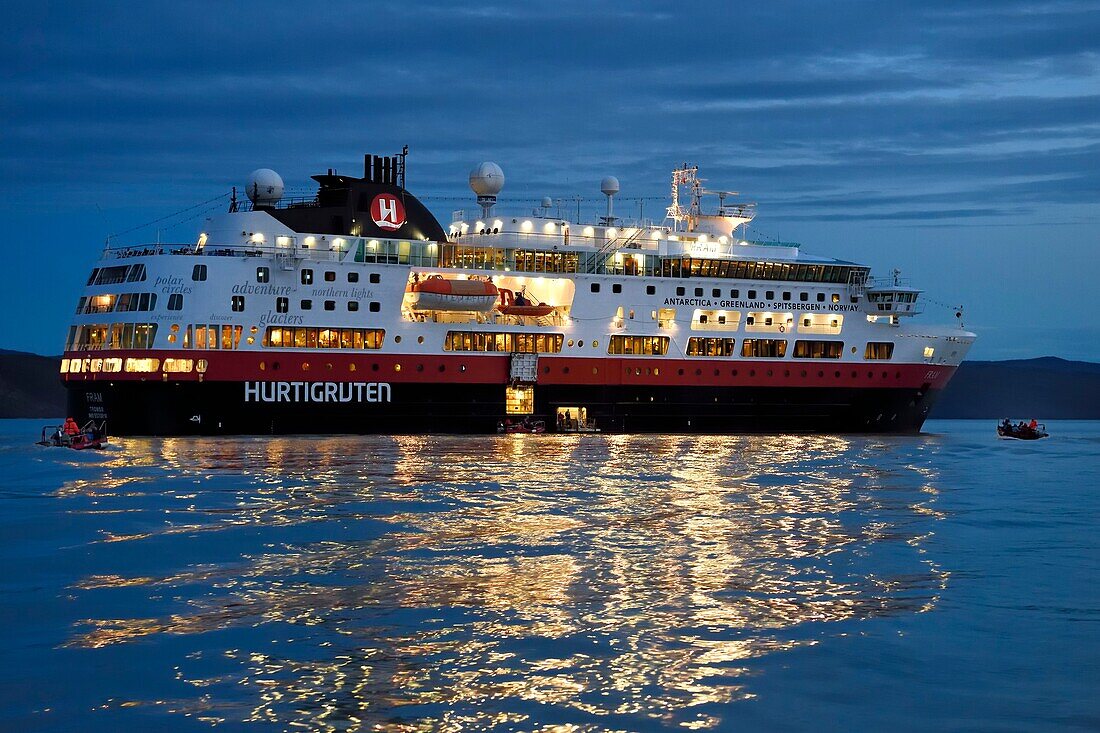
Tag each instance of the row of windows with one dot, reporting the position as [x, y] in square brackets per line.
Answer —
[117, 274]
[111, 336]
[734, 293]
[528, 343]
[638, 345]
[282, 305]
[330, 276]
[777, 348]
[125, 303]
[742, 270]
[313, 337]
[144, 366]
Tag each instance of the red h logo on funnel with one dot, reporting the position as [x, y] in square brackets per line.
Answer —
[388, 212]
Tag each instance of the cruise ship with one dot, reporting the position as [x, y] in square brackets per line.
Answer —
[354, 310]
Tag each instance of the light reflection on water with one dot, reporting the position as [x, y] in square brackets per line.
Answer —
[599, 582]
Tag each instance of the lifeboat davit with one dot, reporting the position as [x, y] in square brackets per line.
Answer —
[437, 294]
[509, 307]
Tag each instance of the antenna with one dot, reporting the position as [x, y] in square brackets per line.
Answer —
[609, 186]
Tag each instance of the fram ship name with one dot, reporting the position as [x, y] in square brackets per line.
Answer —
[316, 392]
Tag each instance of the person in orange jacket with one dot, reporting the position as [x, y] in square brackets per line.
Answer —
[71, 428]
[1034, 424]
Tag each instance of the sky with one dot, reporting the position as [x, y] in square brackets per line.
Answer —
[957, 141]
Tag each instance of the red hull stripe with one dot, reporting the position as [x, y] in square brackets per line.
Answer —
[466, 368]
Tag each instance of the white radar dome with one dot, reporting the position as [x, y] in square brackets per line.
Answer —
[609, 186]
[547, 202]
[487, 179]
[265, 186]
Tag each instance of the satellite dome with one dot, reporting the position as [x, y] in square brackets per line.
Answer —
[265, 187]
[487, 179]
[609, 186]
[547, 202]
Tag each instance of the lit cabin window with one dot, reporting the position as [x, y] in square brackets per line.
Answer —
[764, 348]
[263, 274]
[142, 365]
[282, 305]
[929, 352]
[700, 346]
[179, 366]
[237, 304]
[307, 277]
[879, 350]
[818, 349]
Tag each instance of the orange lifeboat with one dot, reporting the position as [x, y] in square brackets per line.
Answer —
[438, 294]
[509, 307]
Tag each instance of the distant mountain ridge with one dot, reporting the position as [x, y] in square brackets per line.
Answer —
[1047, 388]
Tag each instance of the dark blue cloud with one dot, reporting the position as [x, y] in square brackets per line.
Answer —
[850, 121]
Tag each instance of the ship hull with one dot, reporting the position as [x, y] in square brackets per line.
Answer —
[234, 408]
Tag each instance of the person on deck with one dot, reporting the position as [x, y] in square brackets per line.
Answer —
[1034, 424]
[71, 428]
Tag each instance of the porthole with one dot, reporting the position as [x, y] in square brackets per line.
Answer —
[263, 366]
[870, 375]
[565, 370]
[254, 330]
[803, 372]
[351, 367]
[442, 367]
[836, 374]
[698, 372]
[250, 340]
[374, 367]
[769, 372]
[786, 372]
[397, 367]
[595, 344]
[328, 366]
[716, 371]
[854, 374]
[853, 349]
[570, 343]
[733, 372]
[175, 328]
[171, 338]
[595, 370]
[821, 374]
[884, 375]
[305, 366]
[419, 339]
[462, 368]
[397, 339]
[680, 372]
[274, 366]
[656, 371]
[419, 367]
[546, 370]
[752, 372]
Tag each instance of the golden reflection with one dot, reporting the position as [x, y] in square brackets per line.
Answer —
[448, 583]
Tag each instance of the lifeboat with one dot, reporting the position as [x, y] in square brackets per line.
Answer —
[509, 307]
[437, 294]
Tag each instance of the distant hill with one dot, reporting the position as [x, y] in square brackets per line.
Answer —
[1047, 389]
[30, 385]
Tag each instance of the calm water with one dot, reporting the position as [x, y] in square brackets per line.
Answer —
[945, 582]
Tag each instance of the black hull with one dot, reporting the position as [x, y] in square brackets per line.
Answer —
[220, 408]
